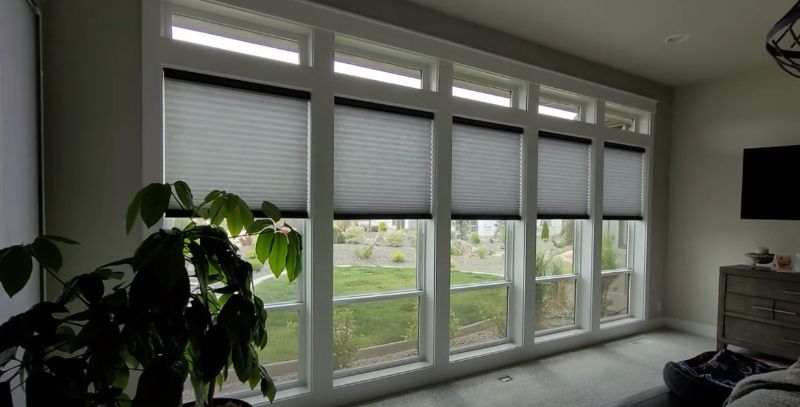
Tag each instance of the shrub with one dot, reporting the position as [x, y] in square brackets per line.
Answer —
[338, 234]
[497, 317]
[398, 257]
[345, 347]
[474, 239]
[395, 238]
[382, 226]
[455, 250]
[482, 252]
[500, 232]
[454, 325]
[545, 230]
[354, 235]
[364, 253]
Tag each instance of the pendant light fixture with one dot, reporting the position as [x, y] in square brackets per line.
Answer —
[783, 41]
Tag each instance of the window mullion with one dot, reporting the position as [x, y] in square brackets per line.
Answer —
[318, 331]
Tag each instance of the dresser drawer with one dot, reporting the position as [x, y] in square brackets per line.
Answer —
[764, 287]
[784, 341]
[745, 304]
[788, 312]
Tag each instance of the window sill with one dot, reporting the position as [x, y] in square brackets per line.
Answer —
[485, 351]
[380, 374]
[284, 394]
[618, 321]
[560, 335]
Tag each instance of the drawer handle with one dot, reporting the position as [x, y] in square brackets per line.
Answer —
[791, 341]
[762, 308]
[792, 292]
[780, 311]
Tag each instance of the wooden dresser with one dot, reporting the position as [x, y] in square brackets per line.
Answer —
[759, 310]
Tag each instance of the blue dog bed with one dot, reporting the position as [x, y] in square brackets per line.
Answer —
[708, 378]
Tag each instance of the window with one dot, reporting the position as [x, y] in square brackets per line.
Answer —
[563, 205]
[562, 104]
[623, 205]
[616, 266]
[486, 196]
[556, 273]
[223, 133]
[376, 70]
[376, 292]
[481, 93]
[382, 196]
[559, 109]
[626, 118]
[232, 39]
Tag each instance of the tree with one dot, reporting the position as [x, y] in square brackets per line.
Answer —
[545, 230]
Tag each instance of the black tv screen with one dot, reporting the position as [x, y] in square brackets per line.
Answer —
[771, 183]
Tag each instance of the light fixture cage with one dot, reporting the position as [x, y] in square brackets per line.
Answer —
[783, 42]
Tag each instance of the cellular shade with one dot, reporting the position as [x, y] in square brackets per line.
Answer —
[564, 164]
[623, 182]
[487, 165]
[382, 161]
[239, 137]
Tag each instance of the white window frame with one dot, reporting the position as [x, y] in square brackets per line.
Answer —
[319, 29]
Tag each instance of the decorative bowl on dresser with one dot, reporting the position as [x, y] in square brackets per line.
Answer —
[759, 310]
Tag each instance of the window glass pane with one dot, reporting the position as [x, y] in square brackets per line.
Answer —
[559, 109]
[375, 332]
[375, 70]
[234, 39]
[374, 256]
[555, 304]
[614, 253]
[614, 295]
[555, 247]
[478, 316]
[620, 121]
[481, 93]
[477, 251]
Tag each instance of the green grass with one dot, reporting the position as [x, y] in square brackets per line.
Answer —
[377, 322]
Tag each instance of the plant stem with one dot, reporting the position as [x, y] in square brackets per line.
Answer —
[211, 393]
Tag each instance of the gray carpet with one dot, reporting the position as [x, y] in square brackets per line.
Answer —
[594, 376]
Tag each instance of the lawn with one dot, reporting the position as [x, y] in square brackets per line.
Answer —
[377, 322]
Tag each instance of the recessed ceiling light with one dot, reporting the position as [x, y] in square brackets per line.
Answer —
[676, 38]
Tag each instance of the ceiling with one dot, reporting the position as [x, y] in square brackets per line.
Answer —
[726, 35]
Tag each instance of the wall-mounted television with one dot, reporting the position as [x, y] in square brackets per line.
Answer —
[771, 183]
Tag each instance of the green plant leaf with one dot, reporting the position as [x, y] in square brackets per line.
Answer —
[184, 194]
[258, 226]
[154, 202]
[268, 388]
[217, 211]
[7, 355]
[108, 274]
[271, 211]
[47, 253]
[15, 268]
[264, 245]
[292, 263]
[59, 239]
[277, 256]
[233, 215]
[133, 210]
[211, 196]
[161, 384]
[245, 213]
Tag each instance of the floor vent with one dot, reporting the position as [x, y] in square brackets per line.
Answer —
[505, 379]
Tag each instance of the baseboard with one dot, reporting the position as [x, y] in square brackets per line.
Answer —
[709, 331]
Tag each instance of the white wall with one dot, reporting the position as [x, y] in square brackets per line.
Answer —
[712, 123]
[19, 196]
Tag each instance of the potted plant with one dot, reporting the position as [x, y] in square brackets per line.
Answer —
[189, 310]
